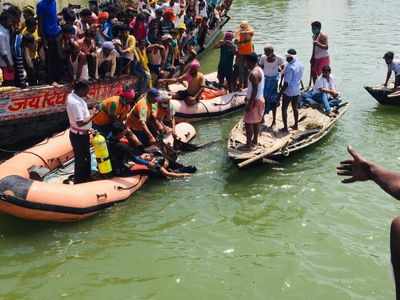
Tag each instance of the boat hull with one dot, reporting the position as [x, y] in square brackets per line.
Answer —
[381, 94]
[274, 145]
[51, 200]
[28, 115]
[207, 108]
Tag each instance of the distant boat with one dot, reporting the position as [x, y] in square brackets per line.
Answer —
[272, 145]
[384, 95]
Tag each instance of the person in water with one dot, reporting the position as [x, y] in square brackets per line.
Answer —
[393, 67]
[358, 169]
[166, 168]
[121, 152]
[320, 55]
[255, 106]
[324, 91]
[291, 88]
[195, 84]
[272, 65]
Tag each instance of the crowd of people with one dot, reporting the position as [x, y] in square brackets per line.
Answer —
[271, 80]
[150, 40]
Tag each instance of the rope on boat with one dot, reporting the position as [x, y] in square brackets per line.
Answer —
[27, 152]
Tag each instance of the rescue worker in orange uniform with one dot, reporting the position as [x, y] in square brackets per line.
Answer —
[164, 116]
[244, 42]
[113, 109]
[140, 116]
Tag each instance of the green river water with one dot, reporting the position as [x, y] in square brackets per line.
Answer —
[291, 232]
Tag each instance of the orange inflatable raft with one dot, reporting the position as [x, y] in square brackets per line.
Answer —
[213, 103]
[26, 196]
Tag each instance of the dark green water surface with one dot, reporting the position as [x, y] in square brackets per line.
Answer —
[292, 232]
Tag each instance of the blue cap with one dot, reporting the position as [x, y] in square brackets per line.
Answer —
[154, 93]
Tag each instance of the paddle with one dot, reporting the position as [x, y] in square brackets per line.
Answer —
[394, 94]
[189, 147]
[282, 143]
[311, 63]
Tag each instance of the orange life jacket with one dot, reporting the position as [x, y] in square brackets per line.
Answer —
[109, 108]
[247, 47]
[142, 110]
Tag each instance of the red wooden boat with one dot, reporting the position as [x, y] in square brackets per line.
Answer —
[28, 115]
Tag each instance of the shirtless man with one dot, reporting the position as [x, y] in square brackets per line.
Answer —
[320, 55]
[358, 169]
[255, 103]
[195, 84]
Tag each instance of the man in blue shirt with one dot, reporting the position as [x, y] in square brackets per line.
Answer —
[49, 30]
[291, 88]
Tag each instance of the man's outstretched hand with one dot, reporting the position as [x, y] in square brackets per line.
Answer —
[356, 169]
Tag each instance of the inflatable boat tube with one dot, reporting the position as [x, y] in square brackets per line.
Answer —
[214, 103]
[24, 196]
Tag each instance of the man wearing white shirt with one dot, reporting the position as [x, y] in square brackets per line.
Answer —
[393, 67]
[324, 91]
[80, 121]
[272, 66]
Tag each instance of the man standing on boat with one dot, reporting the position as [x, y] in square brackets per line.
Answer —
[272, 66]
[80, 121]
[49, 30]
[255, 104]
[291, 88]
[320, 55]
[393, 66]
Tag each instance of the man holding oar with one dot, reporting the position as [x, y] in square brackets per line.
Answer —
[320, 55]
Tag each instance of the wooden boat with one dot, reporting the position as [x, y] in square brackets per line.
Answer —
[212, 35]
[384, 95]
[214, 103]
[29, 115]
[38, 112]
[25, 194]
[313, 126]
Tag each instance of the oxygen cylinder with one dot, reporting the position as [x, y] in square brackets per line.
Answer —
[101, 152]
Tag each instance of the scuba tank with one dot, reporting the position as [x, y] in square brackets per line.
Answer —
[101, 152]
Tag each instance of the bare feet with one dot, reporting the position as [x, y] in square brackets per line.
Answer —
[246, 147]
[295, 127]
[284, 130]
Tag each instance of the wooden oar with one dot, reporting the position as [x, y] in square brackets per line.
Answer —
[394, 94]
[312, 60]
[189, 147]
[282, 143]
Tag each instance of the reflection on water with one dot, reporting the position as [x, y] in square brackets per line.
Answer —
[291, 232]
